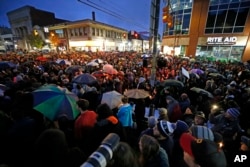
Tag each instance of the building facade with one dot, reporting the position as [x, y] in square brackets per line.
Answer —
[59, 34]
[91, 35]
[88, 35]
[215, 29]
[23, 21]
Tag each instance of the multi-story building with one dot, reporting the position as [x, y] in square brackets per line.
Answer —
[24, 19]
[6, 39]
[216, 29]
[89, 35]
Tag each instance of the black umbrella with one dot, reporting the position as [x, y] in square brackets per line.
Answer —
[217, 75]
[202, 91]
[72, 69]
[210, 69]
[172, 82]
[85, 78]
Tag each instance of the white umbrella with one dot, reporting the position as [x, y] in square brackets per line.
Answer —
[98, 61]
[145, 56]
[112, 99]
[92, 64]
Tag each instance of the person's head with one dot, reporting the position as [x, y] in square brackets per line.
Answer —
[190, 110]
[163, 129]
[199, 118]
[50, 148]
[232, 113]
[180, 127]
[148, 146]
[169, 99]
[201, 152]
[83, 104]
[103, 111]
[184, 97]
[163, 114]
[245, 143]
[123, 156]
[152, 122]
[124, 99]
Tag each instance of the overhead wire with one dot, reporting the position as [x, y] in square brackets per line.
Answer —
[112, 13]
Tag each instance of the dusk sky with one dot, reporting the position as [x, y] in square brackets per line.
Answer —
[127, 14]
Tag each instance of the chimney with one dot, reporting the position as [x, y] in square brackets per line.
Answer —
[93, 16]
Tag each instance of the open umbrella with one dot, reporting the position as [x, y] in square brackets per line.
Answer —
[99, 61]
[92, 64]
[197, 71]
[7, 64]
[112, 98]
[217, 75]
[98, 74]
[210, 69]
[53, 101]
[85, 78]
[112, 72]
[72, 69]
[63, 62]
[172, 82]
[41, 58]
[136, 93]
[145, 56]
[202, 91]
[107, 67]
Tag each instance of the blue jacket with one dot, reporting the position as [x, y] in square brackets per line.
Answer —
[124, 115]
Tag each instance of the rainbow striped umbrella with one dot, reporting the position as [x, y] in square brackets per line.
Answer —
[54, 101]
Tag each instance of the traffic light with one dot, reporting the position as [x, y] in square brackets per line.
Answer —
[136, 35]
[165, 14]
[170, 21]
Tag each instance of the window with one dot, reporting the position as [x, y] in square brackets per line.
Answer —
[101, 32]
[181, 13]
[80, 31]
[227, 16]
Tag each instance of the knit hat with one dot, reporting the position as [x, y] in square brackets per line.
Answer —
[151, 121]
[181, 127]
[165, 127]
[234, 112]
[202, 132]
[245, 140]
[200, 114]
[206, 153]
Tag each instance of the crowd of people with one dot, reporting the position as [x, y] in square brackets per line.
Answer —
[200, 118]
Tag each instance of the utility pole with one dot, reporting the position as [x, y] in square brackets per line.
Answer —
[154, 26]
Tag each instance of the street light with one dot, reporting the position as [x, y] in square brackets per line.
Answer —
[35, 32]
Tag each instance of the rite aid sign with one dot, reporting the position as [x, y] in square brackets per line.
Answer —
[221, 40]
